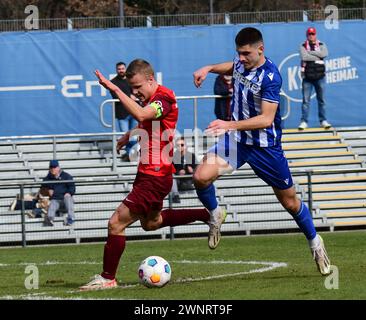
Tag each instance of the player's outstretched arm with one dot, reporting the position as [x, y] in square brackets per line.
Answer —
[221, 68]
[263, 120]
[104, 81]
[200, 75]
[132, 107]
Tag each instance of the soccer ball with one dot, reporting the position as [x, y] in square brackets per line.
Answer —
[154, 271]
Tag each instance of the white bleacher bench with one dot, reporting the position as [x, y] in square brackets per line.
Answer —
[251, 204]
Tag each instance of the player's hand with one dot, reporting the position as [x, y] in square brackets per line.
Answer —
[104, 81]
[218, 127]
[200, 75]
[122, 142]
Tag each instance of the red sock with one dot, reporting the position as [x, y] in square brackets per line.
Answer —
[113, 250]
[177, 217]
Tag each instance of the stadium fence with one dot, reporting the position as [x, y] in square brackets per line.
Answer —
[96, 199]
[182, 19]
[251, 206]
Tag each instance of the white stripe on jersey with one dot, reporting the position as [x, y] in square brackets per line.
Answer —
[274, 130]
[249, 137]
[263, 138]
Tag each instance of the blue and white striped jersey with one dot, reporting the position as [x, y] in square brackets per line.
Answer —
[250, 88]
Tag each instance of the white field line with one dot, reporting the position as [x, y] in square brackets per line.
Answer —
[48, 296]
[49, 263]
[268, 266]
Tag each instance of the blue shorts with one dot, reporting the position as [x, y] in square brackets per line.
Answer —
[269, 163]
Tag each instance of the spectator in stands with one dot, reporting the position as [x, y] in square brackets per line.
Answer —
[313, 52]
[124, 120]
[253, 137]
[223, 87]
[35, 204]
[61, 194]
[184, 164]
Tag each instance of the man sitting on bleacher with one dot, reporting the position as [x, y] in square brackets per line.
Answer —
[60, 194]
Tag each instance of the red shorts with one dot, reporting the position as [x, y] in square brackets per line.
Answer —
[148, 193]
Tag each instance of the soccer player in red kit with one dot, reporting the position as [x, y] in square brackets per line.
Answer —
[157, 122]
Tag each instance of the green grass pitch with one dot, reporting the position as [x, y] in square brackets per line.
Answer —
[232, 271]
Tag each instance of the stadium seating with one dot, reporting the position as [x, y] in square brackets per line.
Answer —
[338, 198]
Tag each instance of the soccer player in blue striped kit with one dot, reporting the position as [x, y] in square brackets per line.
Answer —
[252, 136]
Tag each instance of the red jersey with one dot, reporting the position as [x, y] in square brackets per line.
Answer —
[156, 141]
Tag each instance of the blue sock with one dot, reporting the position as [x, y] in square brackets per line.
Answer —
[208, 197]
[305, 222]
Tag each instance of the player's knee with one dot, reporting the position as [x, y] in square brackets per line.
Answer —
[292, 205]
[114, 226]
[149, 226]
[146, 227]
[201, 180]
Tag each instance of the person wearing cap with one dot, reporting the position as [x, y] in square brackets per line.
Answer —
[61, 194]
[313, 52]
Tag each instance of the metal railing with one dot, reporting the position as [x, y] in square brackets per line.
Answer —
[25, 187]
[307, 195]
[182, 19]
[195, 117]
[56, 138]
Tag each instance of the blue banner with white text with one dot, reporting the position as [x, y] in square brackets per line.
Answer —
[47, 85]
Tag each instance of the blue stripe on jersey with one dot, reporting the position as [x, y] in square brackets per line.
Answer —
[253, 113]
[274, 134]
[227, 146]
[240, 111]
[279, 128]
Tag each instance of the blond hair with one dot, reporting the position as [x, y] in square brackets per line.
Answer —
[139, 66]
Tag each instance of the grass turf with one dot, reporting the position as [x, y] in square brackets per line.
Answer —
[62, 269]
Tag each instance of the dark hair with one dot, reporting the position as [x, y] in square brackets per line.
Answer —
[248, 36]
[120, 64]
[139, 66]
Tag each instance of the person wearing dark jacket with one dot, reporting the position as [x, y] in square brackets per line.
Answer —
[223, 86]
[312, 53]
[124, 120]
[61, 194]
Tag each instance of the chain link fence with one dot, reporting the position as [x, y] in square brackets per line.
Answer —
[181, 19]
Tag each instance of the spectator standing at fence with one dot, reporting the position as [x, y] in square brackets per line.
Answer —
[157, 122]
[124, 120]
[312, 53]
[223, 87]
[253, 136]
[61, 194]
